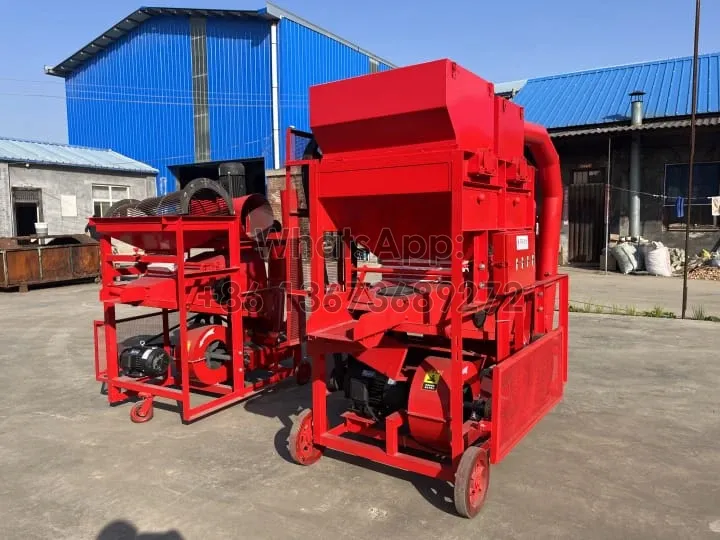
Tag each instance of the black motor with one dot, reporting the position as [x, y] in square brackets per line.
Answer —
[373, 395]
[142, 361]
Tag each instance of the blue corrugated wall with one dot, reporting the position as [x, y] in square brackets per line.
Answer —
[307, 57]
[136, 97]
[239, 89]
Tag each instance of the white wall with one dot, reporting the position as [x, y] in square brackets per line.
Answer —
[5, 202]
[55, 182]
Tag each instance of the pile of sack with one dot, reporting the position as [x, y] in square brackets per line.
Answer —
[637, 255]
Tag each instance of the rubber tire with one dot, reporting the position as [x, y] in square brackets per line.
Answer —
[302, 456]
[135, 415]
[463, 482]
[303, 373]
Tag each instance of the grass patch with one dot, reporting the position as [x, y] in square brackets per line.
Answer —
[698, 313]
[581, 307]
[632, 311]
[659, 312]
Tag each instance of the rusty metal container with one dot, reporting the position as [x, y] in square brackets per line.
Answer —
[33, 260]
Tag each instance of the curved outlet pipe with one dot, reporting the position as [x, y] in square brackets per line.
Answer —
[551, 203]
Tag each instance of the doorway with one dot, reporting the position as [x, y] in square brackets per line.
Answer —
[27, 210]
[586, 216]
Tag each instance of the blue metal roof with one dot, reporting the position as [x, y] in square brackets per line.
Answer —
[20, 151]
[600, 96]
[270, 12]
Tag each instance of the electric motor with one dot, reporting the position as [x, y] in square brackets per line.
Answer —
[142, 361]
[373, 395]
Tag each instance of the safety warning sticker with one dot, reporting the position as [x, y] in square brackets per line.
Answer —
[431, 380]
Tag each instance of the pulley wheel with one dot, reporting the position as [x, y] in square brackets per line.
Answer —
[472, 480]
[300, 441]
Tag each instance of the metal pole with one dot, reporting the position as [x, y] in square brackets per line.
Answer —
[607, 202]
[692, 156]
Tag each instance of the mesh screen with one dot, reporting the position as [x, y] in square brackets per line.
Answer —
[204, 202]
[299, 147]
[169, 204]
[527, 385]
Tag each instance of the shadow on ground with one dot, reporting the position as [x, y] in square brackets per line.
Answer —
[124, 530]
[285, 403]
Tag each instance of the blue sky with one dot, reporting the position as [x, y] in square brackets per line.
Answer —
[500, 41]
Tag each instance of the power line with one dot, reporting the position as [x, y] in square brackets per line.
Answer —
[160, 91]
[284, 103]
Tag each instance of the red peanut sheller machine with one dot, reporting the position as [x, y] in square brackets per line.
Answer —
[219, 281]
[448, 348]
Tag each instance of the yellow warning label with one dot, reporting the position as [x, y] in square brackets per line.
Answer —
[431, 380]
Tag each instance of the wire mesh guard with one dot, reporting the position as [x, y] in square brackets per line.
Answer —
[303, 146]
[201, 197]
[133, 331]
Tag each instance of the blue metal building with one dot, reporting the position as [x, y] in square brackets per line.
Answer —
[173, 86]
[599, 97]
[632, 170]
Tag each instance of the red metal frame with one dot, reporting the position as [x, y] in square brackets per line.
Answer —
[391, 160]
[186, 291]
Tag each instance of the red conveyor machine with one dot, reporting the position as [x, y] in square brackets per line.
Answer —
[220, 283]
[448, 348]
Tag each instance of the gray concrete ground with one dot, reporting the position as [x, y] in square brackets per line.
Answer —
[631, 452]
[642, 291]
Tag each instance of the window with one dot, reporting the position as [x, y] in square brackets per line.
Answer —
[374, 65]
[706, 184]
[105, 196]
[588, 176]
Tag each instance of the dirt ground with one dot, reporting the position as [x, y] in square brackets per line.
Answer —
[643, 292]
[631, 452]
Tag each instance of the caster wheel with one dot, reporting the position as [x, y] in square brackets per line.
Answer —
[303, 373]
[141, 412]
[300, 441]
[472, 480]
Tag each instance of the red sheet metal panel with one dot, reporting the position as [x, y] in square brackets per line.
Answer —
[513, 259]
[525, 388]
[432, 102]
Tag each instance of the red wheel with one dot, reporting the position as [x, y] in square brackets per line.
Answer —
[300, 441]
[142, 411]
[472, 480]
[303, 373]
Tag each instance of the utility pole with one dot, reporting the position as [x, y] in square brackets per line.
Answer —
[693, 111]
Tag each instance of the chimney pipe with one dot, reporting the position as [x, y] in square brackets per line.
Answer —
[636, 118]
[636, 107]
